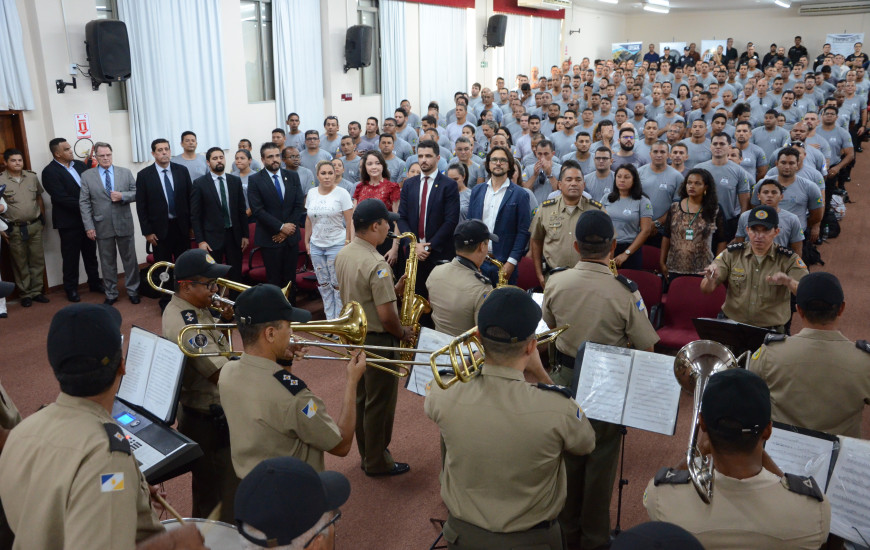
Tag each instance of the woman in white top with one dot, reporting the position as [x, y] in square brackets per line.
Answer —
[328, 228]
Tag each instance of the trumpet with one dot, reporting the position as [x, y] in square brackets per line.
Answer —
[218, 298]
[694, 364]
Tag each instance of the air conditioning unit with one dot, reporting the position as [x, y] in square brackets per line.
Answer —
[835, 8]
[551, 5]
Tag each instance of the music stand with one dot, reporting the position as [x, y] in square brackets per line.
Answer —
[739, 337]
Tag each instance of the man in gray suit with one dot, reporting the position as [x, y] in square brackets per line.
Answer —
[105, 198]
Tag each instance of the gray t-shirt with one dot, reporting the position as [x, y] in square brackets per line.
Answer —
[661, 188]
[635, 159]
[563, 144]
[295, 140]
[396, 166]
[769, 141]
[698, 153]
[753, 159]
[838, 139]
[197, 167]
[586, 166]
[626, 214]
[332, 147]
[310, 161]
[598, 187]
[731, 181]
[798, 198]
[306, 179]
[790, 230]
[542, 186]
[351, 168]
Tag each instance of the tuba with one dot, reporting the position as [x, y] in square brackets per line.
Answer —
[413, 305]
[694, 364]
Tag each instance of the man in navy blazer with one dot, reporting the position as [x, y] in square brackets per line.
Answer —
[278, 205]
[441, 212]
[504, 208]
[62, 179]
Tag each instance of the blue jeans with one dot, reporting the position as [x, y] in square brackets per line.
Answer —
[323, 260]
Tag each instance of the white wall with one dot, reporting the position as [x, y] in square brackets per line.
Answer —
[598, 30]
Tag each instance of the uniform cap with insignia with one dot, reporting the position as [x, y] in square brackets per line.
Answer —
[739, 396]
[198, 263]
[656, 534]
[819, 291]
[84, 347]
[763, 215]
[371, 210]
[472, 232]
[266, 303]
[508, 315]
[284, 497]
[594, 227]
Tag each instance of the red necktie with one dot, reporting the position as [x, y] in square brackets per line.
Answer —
[421, 226]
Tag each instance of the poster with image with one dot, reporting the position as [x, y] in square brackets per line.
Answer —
[844, 43]
[623, 51]
[708, 48]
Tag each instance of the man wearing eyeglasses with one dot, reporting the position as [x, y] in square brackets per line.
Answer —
[626, 153]
[200, 416]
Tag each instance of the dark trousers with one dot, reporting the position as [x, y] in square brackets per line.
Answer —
[467, 536]
[230, 254]
[74, 243]
[376, 395]
[168, 249]
[635, 261]
[491, 271]
[214, 480]
[730, 228]
[280, 263]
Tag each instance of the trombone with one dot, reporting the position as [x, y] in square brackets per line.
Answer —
[218, 298]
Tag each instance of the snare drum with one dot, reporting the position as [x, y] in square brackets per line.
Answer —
[217, 535]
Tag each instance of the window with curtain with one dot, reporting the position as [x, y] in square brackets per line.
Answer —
[393, 59]
[529, 42]
[370, 77]
[116, 91]
[443, 55]
[15, 93]
[297, 50]
[256, 18]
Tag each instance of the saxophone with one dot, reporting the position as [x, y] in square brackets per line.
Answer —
[413, 305]
[502, 274]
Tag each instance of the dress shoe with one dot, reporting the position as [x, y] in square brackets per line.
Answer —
[4, 315]
[26, 302]
[73, 296]
[135, 300]
[41, 298]
[398, 468]
[110, 301]
[97, 288]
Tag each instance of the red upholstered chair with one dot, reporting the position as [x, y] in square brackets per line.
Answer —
[650, 257]
[651, 287]
[253, 268]
[686, 302]
[305, 277]
[526, 277]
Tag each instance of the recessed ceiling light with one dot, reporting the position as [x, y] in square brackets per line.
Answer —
[609, 1]
[664, 3]
[783, 3]
[656, 9]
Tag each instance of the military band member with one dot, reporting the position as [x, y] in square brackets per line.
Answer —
[751, 506]
[286, 418]
[200, 416]
[607, 310]
[68, 477]
[457, 289]
[552, 240]
[818, 378]
[541, 425]
[761, 275]
[365, 277]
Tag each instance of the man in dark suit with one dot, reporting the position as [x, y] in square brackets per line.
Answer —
[163, 206]
[278, 204]
[505, 209]
[429, 208]
[217, 214]
[62, 179]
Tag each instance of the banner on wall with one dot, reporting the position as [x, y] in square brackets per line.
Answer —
[708, 48]
[674, 46]
[844, 43]
[623, 51]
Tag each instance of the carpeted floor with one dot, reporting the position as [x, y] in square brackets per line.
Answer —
[394, 513]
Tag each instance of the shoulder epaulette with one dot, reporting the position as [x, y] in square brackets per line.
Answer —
[482, 278]
[558, 270]
[774, 337]
[629, 284]
[548, 202]
[734, 247]
[596, 204]
[553, 387]
[117, 441]
[803, 485]
[863, 345]
[30, 171]
[294, 385]
[671, 476]
[189, 317]
[784, 250]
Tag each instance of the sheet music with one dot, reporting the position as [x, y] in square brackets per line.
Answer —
[139, 355]
[538, 297]
[421, 375]
[603, 382]
[653, 394]
[849, 491]
[160, 392]
[801, 454]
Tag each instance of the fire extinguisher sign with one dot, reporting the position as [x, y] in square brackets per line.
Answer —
[83, 126]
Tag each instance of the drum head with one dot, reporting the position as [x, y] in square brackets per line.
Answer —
[217, 535]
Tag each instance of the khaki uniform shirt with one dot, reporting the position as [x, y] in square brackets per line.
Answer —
[9, 415]
[519, 433]
[758, 512]
[364, 276]
[750, 298]
[68, 479]
[599, 307]
[818, 379]
[456, 292]
[21, 196]
[554, 224]
[197, 391]
[272, 413]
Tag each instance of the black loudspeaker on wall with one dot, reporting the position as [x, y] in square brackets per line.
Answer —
[108, 49]
[358, 47]
[495, 29]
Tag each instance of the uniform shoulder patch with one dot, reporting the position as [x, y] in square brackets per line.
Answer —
[117, 441]
[629, 284]
[863, 345]
[734, 247]
[788, 252]
[671, 476]
[553, 387]
[803, 485]
[294, 385]
[189, 317]
[596, 204]
[548, 202]
[774, 337]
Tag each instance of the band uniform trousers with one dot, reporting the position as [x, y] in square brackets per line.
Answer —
[230, 254]
[466, 536]
[376, 395]
[109, 249]
[590, 482]
[73, 243]
[214, 479]
[28, 260]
